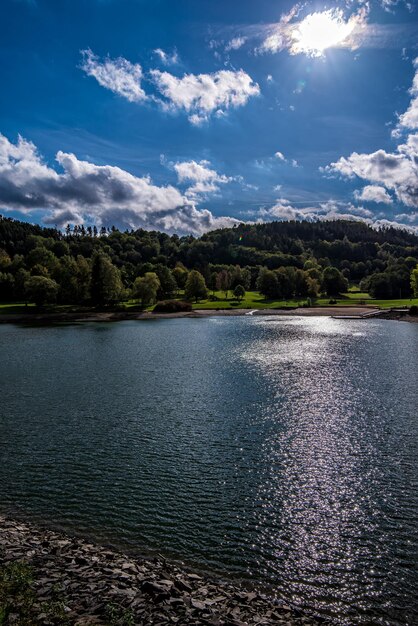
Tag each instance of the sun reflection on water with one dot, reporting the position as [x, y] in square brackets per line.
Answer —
[312, 507]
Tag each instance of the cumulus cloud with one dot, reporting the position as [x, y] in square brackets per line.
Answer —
[199, 95]
[331, 210]
[202, 95]
[118, 75]
[373, 193]
[103, 194]
[204, 179]
[283, 209]
[396, 171]
[409, 119]
[167, 58]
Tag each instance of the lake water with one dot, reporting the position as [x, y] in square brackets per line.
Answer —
[279, 450]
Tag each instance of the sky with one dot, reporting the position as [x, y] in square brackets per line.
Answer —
[190, 115]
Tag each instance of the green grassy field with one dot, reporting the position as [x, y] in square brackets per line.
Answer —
[15, 307]
[252, 300]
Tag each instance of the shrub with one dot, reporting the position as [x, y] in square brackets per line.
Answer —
[332, 301]
[413, 310]
[172, 306]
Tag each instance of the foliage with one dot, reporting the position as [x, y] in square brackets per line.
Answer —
[41, 290]
[195, 288]
[117, 615]
[223, 281]
[414, 281]
[146, 287]
[106, 284]
[16, 593]
[333, 281]
[239, 292]
[100, 265]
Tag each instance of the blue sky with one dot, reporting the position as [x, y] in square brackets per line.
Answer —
[189, 115]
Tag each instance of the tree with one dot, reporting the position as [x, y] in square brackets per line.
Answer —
[106, 282]
[239, 292]
[313, 287]
[223, 282]
[41, 290]
[267, 283]
[212, 282]
[414, 282]
[195, 287]
[240, 276]
[333, 282]
[73, 277]
[145, 288]
[168, 284]
[380, 286]
[180, 275]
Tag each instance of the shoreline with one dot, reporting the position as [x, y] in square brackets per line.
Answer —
[115, 316]
[88, 580]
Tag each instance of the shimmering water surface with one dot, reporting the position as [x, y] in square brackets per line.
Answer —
[281, 450]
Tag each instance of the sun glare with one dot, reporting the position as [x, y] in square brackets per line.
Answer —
[320, 31]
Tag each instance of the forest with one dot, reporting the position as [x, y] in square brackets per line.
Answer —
[90, 266]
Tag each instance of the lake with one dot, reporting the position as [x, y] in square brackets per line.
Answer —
[280, 450]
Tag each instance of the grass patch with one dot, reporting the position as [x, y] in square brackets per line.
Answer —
[252, 300]
[19, 604]
[11, 308]
[16, 594]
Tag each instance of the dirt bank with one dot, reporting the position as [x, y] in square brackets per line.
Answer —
[113, 316]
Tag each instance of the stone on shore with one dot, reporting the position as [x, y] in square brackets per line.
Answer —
[73, 582]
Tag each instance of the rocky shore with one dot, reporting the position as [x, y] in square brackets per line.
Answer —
[47, 578]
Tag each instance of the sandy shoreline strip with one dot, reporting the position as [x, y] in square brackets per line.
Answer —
[86, 581]
[114, 316]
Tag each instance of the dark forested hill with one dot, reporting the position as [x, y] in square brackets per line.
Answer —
[356, 250]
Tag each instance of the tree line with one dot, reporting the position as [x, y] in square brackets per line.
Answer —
[282, 260]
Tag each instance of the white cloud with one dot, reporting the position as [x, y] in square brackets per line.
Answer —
[235, 44]
[373, 193]
[167, 58]
[280, 156]
[284, 210]
[103, 194]
[205, 180]
[396, 171]
[118, 75]
[409, 119]
[331, 210]
[201, 95]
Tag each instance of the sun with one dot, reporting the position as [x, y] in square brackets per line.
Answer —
[319, 31]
